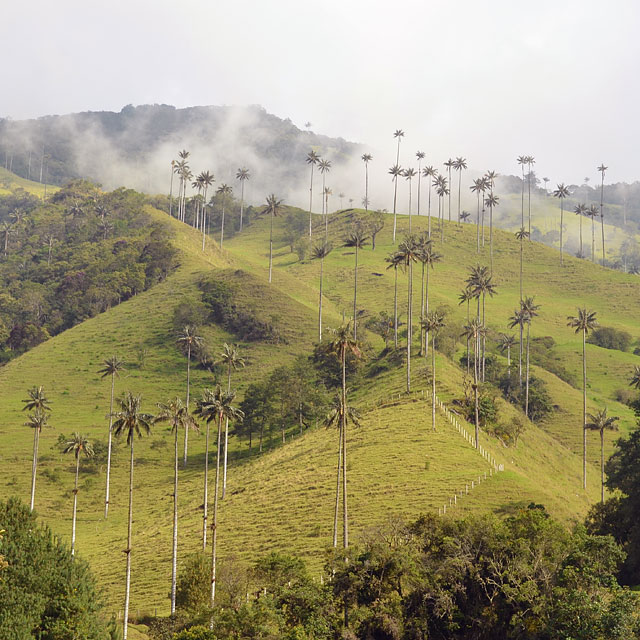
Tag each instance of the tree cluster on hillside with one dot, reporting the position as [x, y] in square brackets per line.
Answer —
[71, 258]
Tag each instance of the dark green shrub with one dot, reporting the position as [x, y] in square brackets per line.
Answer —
[610, 338]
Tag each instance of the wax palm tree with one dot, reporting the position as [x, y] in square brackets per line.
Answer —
[432, 325]
[420, 155]
[324, 166]
[398, 134]
[173, 172]
[131, 421]
[233, 360]
[592, 212]
[198, 185]
[207, 179]
[521, 235]
[320, 252]
[507, 342]
[466, 296]
[312, 160]
[190, 339]
[327, 192]
[243, 175]
[601, 422]
[429, 172]
[273, 208]
[449, 164]
[530, 161]
[176, 414]
[580, 210]
[561, 192]
[408, 254]
[584, 322]
[395, 261]
[530, 309]
[366, 158]
[342, 344]
[519, 319]
[602, 170]
[478, 188]
[546, 187]
[442, 190]
[217, 406]
[223, 191]
[429, 257]
[110, 367]
[491, 201]
[77, 445]
[475, 331]
[459, 164]
[522, 160]
[356, 240]
[409, 174]
[395, 171]
[39, 404]
[334, 418]
[464, 216]
[480, 283]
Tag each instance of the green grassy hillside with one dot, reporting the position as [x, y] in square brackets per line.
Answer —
[283, 500]
[9, 182]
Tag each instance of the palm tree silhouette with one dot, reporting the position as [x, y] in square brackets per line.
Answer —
[231, 357]
[507, 342]
[273, 209]
[342, 344]
[324, 166]
[77, 444]
[580, 210]
[110, 367]
[459, 165]
[334, 417]
[420, 155]
[530, 310]
[584, 322]
[312, 160]
[207, 179]
[464, 216]
[592, 212]
[408, 254]
[223, 190]
[320, 252]
[530, 161]
[398, 134]
[409, 174]
[188, 337]
[366, 158]
[601, 422]
[429, 172]
[480, 283]
[432, 325]
[132, 421]
[561, 192]
[519, 319]
[449, 164]
[466, 296]
[395, 171]
[243, 175]
[395, 261]
[39, 404]
[491, 201]
[357, 240]
[176, 414]
[327, 192]
[442, 190]
[602, 170]
[216, 406]
[428, 257]
[522, 160]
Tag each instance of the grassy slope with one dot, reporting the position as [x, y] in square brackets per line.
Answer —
[284, 499]
[10, 182]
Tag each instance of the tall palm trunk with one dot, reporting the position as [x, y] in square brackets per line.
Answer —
[171, 192]
[310, 199]
[395, 309]
[602, 215]
[109, 447]
[75, 508]
[449, 195]
[521, 256]
[128, 549]
[271, 247]
[395, 215]
[509, 361]
[34, 466]
[419, 181]
[174, 545]
[205, 504]
[520, 356]
[478, 222]
[602, 466]
[410, 190]
[214, 526]
[581, 252]
[345, 529]
[475, 397]
[522, 204]
[355, 297]
[320, 302]
[226, 440]
[366, 189]
[241, 202]
[584, 409]
[593, 239]
[433, 381]
[529, 200]
[526, 393]
[335, 515]
[222, 226]
[422, 316]
[186, 429]
[426, 313]
[491, 237]
[409, 323]
[429, 212]
[561, 228]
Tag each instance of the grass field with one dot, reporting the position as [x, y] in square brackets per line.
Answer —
[283, 500]
[9, 182]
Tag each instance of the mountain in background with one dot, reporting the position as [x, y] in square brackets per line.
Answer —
[135, 147]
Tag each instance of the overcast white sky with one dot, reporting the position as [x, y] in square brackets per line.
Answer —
[486, 80]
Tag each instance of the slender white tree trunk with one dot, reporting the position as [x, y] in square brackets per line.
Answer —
[355, 297]
[110, 445]
[75, 509]
[206, 490]
[214, 526]
[335, 515]
[320, 302]
[186, 429]
[226, 441]
[174, 554]
[584, 409]
[344, 449]
[128, 550]
[34, 466]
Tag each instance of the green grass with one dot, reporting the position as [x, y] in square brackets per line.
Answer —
[283, 500]
[9, 182]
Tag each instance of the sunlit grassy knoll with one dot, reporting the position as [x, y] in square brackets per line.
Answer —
[283, 500]
[9, 182]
